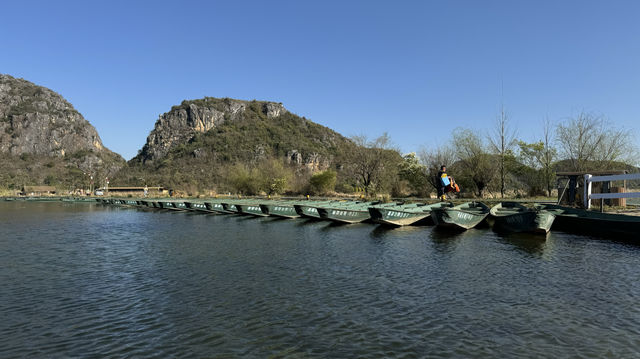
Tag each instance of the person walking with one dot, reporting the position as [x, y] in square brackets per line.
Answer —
[443, 182]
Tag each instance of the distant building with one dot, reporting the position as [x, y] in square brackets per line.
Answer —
[38, 190]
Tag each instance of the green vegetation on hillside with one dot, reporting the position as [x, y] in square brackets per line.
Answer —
[65, 173]
[253, 155]
[238, 155]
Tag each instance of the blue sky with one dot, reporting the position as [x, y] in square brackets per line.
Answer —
[415, 69]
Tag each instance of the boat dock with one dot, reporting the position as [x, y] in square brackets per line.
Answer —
[536, 218]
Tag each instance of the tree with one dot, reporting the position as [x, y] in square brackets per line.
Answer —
[474, 162]
[434, 159]
[414, 172]
[273, 176]
[372, 163]
[549, 155]
[590, 142]
[244, 180]
[323, 182]
[531, 156]
[502, 141]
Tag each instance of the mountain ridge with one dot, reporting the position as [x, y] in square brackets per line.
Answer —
[44, 139]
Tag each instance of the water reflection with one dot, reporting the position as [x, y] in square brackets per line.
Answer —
[91, 281]
[533, 244]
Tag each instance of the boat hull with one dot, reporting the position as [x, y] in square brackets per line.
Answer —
[528, 221]
[172, 205]
[605, 225]
[251, 209]
[307, 211]
[397, 218]
[344, 215]
[197, 206]
[456, 219]
[279, 210]
[216, 207]
[229, 207]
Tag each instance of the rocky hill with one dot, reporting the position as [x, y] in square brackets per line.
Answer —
[184, 122]
[194, 141]
[43, 139]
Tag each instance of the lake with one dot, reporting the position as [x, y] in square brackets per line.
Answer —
[86, 280]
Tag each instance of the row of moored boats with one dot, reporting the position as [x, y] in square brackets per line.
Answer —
[504, 216]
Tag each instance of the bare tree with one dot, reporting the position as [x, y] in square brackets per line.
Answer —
[433, 159]
[373, 161]
[474, 162]
[502, 140]
[549, 155]
[591, 142]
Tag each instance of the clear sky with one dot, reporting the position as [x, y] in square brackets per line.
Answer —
[416, 69]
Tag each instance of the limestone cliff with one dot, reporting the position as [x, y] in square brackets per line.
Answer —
[196, 142]
[37, 124]
[183, 122]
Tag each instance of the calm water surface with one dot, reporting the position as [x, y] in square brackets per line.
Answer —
[83, 280]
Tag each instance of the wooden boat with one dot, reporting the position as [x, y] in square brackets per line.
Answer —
[608, 225]
[348, 213]
[404, 215]
[463, 216]
[514, 217]
[284, 209]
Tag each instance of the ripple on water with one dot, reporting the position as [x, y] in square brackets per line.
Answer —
[85, 280]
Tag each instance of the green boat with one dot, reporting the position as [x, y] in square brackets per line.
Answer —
[215, 206]
[308, 209]
[463, 216]
[250, 208]
[173, 205]
[607, 225]
[231, 205]
[348, 213]
[150, 204]
[118, 202]
[404, 215]
[131, 203]
[197, 206]
[284, 209]
[514, 217]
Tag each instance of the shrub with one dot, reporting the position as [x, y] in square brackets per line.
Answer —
[323, 182]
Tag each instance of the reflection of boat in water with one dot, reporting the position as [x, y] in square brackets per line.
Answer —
[514, 217]
[530, 243]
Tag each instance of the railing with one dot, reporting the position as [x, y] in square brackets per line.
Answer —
[589, 179]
